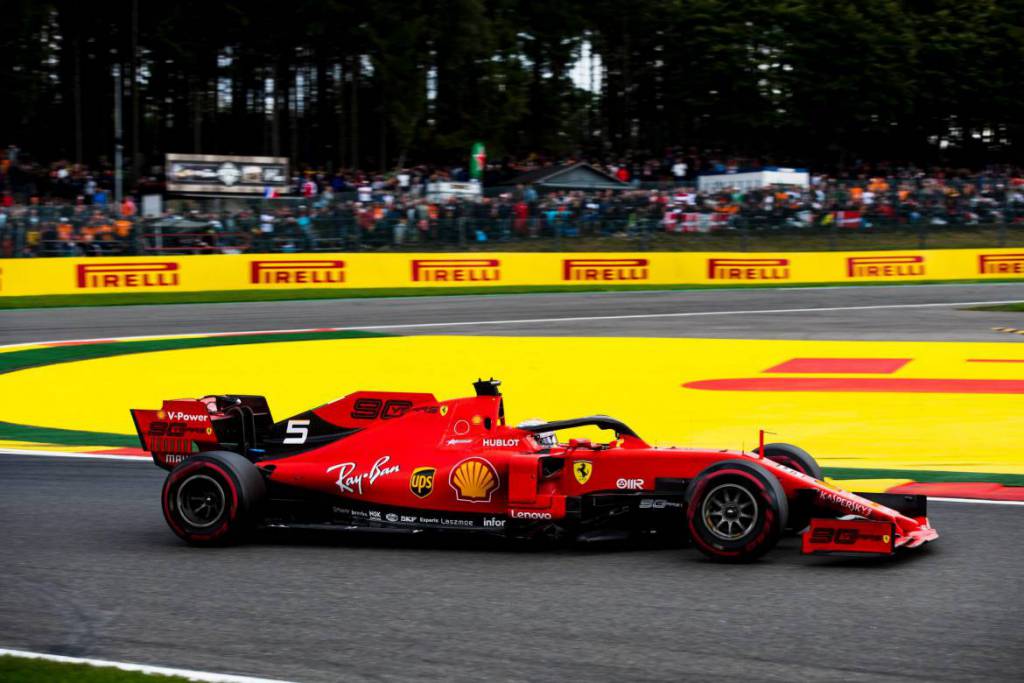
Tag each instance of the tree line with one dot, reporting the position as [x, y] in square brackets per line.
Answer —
[387, 83]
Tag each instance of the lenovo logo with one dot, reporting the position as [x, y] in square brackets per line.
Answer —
[309, 272]
[748, 269]
[884, 266]
[456, 270]
[606, 269]
[145, 274]
[1001, 264]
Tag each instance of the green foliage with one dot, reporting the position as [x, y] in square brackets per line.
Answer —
[338, 83]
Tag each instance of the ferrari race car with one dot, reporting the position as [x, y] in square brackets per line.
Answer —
[406, 461]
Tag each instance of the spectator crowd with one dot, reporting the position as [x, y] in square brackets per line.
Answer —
[65, 209]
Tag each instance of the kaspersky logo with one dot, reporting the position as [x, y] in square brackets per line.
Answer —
[885, 266]
[748, 269]
[456, 270]
[606, 269]
[1001, 264]
[304, 272]
[137, 274]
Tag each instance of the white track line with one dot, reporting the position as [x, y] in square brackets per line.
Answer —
[980, 501]
[70, 454]
[141, 668]
[139, 458]
[520, 321]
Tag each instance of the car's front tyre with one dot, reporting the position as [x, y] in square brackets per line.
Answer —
[736, 511]
[213, 498]
[795, 458]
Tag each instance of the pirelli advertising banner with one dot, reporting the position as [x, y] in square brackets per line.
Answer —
[26, 277]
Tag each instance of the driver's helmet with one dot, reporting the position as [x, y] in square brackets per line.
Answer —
[544, 439]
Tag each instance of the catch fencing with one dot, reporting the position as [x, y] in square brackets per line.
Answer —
[32, 236]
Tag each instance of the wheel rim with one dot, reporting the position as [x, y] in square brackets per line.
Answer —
[201, 500]
[729, 511]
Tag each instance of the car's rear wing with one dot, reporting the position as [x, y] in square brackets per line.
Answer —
[184, 427]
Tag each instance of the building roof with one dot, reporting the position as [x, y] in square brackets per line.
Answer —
[578, 176]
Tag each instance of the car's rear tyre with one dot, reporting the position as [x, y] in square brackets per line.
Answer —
[735, 510]
[795, 458]
[214, 498]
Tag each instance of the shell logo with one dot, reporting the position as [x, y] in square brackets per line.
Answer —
[474, 480]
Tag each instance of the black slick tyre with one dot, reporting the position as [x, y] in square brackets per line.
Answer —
[736, 511]
[213, 498]
[795, 458]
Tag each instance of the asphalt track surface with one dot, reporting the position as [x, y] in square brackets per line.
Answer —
[882, 312]
[89, 568]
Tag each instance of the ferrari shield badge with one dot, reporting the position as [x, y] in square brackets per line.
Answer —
[444, 410]
[582, 470]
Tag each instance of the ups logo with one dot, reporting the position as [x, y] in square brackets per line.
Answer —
[421, 483]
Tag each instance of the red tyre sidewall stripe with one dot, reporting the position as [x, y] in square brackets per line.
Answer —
[177, 476]
[787, 461]
[769, 512]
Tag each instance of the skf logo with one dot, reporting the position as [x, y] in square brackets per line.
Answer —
[581, 469]
[1001, 264]
[748, 269]
[307, 272]
[605, 269]
[145, 274]
[884, 266]
[421, 483]
[474, 480]
[456, 270]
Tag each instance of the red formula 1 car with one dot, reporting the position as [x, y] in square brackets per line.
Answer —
[389, 460]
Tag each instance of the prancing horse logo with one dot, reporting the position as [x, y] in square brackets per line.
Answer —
[582, 469]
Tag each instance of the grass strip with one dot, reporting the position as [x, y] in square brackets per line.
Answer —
[925, 476]
[27, 670]
[1009, 308]
[65, 437]
[30, 358]
[255, 295]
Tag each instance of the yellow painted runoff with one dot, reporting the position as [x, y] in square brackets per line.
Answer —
[851, 404]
